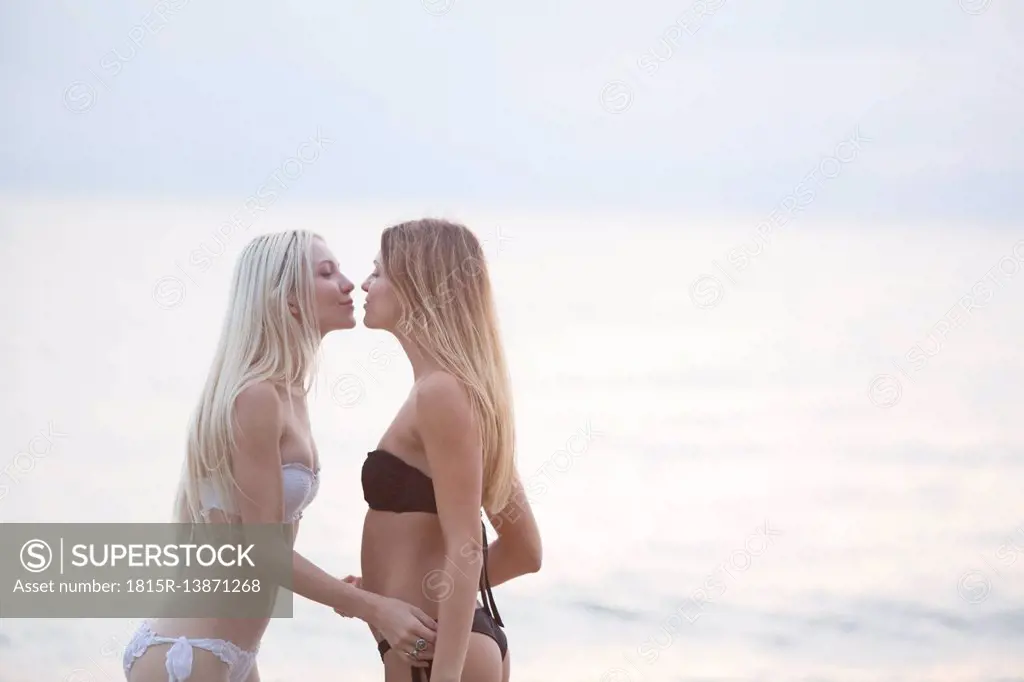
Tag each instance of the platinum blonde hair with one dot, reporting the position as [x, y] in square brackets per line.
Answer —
[260, 340]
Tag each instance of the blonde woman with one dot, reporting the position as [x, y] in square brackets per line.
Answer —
[251, 457]
[448, 452]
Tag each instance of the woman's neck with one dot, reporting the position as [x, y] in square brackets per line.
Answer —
[422, 364]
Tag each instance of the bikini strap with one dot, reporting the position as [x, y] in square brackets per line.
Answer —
[485, 582]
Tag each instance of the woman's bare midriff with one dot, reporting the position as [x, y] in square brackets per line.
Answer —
[403, 557]
[245, 633]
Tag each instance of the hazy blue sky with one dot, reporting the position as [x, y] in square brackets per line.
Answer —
[503, 103]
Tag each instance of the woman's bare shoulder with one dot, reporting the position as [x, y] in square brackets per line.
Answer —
[258, 404]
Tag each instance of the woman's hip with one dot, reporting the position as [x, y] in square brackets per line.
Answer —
[154, 655]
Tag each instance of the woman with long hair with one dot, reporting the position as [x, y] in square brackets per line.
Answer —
[449, 452]
[251, 458]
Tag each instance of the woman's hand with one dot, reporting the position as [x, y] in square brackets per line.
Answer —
[401, 624]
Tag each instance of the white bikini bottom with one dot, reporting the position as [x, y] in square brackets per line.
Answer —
[179, 655]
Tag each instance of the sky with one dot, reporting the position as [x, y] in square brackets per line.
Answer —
[718, 105]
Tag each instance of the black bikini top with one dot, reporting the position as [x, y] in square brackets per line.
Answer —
[390, 484]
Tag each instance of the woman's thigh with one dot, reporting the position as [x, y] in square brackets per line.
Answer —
[152, 666]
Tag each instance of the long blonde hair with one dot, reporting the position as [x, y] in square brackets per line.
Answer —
[260, 340]
[440, 277]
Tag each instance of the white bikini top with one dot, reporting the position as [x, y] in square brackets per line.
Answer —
[300, 484]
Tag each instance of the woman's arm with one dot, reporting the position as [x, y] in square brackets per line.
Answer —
[259, 425]
[517, 550]
[452, 443]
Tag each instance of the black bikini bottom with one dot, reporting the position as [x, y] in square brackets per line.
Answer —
[482, 623]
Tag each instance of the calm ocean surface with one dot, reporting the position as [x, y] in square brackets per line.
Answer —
[806, 465]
